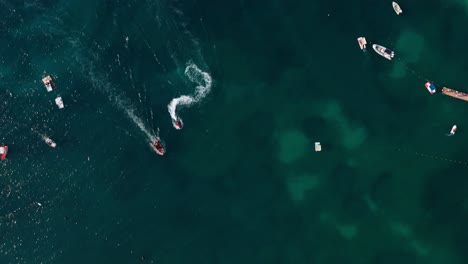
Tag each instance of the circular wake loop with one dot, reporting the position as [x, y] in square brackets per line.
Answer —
[204, 83]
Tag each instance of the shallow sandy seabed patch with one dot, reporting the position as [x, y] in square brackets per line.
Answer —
[293, 145]
[409, 46]
[347, 231]
[464, 3]
[351, 136]
[398, 70]
[298, 186]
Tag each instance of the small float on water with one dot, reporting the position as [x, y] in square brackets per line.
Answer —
[430, 87]
[177, 123]
[159, 147]
[397, 8]
[59, 102]
[318, 147]
[3, 152]
[48, 83]
[50, 142]
[362, 43]
[383, 51]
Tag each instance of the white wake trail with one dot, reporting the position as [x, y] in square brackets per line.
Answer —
[140, 124]
[122, 103]
[204, 83]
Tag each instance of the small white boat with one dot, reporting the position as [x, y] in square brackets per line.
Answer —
[397, 8]
[383, 51]
[48, 83]
[3, 152]
[59, 102]
[318, 147]
[362, 43]
[50, 142]
[454, 129]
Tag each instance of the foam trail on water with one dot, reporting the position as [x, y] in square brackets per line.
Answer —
[121, 102]
[140, 124]
[204, 83]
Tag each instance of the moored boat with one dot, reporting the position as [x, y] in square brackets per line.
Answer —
[50, 142]
[59, 102]
[362, 43]
[159, 147]
[318, 147]
[397, 8]
[3, 152]
[383, 51]
[430, 87]
[48, 83]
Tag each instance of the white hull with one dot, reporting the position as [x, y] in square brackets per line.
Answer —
[48, 83]
[383, 51]
[362, 42]
[397, 8]
[50, 142]
[59, 102]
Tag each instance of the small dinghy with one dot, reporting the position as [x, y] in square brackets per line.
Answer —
[50, 142]
[59, 102]
[318, 147]
[48, 83]
[362, 43]
[383, 51]
[397, 8]
[3, 152]
[177, 123]
[453, 130]
[159, 147]
[430, 87]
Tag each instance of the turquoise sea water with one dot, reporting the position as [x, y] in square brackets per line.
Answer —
[241, 182]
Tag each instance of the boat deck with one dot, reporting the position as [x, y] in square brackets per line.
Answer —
[455, 94]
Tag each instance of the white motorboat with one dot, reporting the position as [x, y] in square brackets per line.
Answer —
[383, 51]
[397, 8]
[50, 142]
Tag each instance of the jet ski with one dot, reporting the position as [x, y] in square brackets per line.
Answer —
[3, 152]
[177, 123]
[50, 142]
[159, 147]
[48, 83]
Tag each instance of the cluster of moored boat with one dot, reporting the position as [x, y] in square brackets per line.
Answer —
[390, 54]
[50, 86]
[381, 50]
